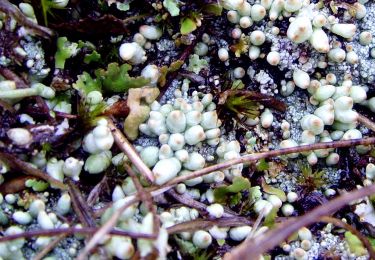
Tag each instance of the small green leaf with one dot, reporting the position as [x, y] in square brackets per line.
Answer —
[196, 64]
[355, 245]
[237, 84]
[270, 219]
[274, 191]
[238, 184]
[117, 79]
[122, 6]
[214, 9]
[164, 70]
[65, 50]
[85, 84]
[262, 165]
[92, 57]
[36, 185]
[185, 246]
[172, 7]
[187, 25]
[254, 194]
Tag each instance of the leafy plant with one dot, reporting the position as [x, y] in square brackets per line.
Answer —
[90, 115]
[186, 247]
[273, 191]
[212, 8]
[240, 102]
[172, 6]
[262, 165]
[232, 193]
[65, 50]
[190, 22]
[117, 79]
[85, 84]
[114, 79]
[270, 219]
[47, 5]
[242, 46]
[246, 103]
[310, 180]
[164, 70]
[196, 64]
[36, 185]
[92, 57]
[355, 245]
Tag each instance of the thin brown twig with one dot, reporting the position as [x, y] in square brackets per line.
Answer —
[25, 168]
[354, 231]
[95, 192]
[10, 75]
[188, 201]
[366, 122]
[80, 207]
[72, 231]
[49, 247]
[253, 248]
[105, 229]
[130, 152]
[252, 158]
[10, 9]
[205, 224]
[144, 196]
[256, 224]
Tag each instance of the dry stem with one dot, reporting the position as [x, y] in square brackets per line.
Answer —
[72, 231]
[253, 248]
[366, 122]
[130, 152]
[25, 168]
[188, 201]
[144, 196]
[252, 158]
[49, 247]
[80, 206]
[10, 9]
[190, 226]
[105, 229]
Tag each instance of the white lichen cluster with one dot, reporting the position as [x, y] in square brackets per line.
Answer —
[134, 52]
[334, 110]
[178, 125]
[98, 143]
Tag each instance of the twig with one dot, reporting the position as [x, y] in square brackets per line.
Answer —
[10, 75]
[196, 224]
[144, 196]
[188, 201]
[256, 224]
[105, 229]
[253, 248]
[80, 207]
[366, 122]
[49, 247]
[130, 152]
[9, 9]
[25, 168]
[342, 224]
[95, 192]
[72, 231]
[251, 158]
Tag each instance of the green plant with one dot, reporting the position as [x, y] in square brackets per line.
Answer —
[232, 192]
[310, 180]
[240, 102]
